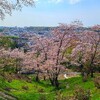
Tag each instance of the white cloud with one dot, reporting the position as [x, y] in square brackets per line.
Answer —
[36, 0]
[69, 1]
[73, 1]
[55, 1]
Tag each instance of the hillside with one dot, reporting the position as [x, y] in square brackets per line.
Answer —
[23, 90]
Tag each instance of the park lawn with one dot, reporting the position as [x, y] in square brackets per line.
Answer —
[44, 91]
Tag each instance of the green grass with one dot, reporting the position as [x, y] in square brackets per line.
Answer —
[44, 91]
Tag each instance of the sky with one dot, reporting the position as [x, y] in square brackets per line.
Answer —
[53, 12]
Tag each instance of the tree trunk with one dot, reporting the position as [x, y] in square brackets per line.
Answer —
[37, 77]
[16, 70]
[44, 77]
[52, 83]
[54, 80]
[82, 73]
[92, 75]
[91, 71]
[99, 70]
[56, 83]
[85, 77]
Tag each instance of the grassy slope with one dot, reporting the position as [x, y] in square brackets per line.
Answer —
[39, 91]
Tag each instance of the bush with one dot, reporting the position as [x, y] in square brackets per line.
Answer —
[7, 88]
[85, 77]
[59, 96]
[81, 94]
[40, 90]
[97, 82]
[9, 80]
[25, 87]
[42, 97]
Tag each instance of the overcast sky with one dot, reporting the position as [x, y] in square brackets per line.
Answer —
[52, 12]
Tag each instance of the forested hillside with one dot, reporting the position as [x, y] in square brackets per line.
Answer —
[65, 66]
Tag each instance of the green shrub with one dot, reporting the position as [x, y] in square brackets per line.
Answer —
[85, 79]
[40, 90]
[7, 88]
[59, 96]
[42, 97]
[97, 82]
[25, 87]
[81, 94]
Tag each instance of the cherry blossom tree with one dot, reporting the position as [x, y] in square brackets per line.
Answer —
[10, 60]
[6, 6]
[87, 52]
[18, 56]
[95, 56]
[52, 50]
[33, 62]
[6, 62]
